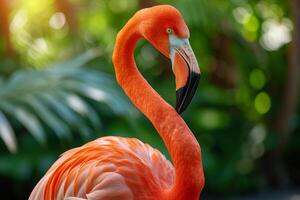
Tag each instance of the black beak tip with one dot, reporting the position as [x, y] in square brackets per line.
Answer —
[185, 94]
[179, 100]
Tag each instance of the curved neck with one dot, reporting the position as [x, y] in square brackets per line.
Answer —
[179, 140]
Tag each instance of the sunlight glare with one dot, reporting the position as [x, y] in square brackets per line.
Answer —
[258, 134]
[242, 14]
[40, 45]
[275, 34]
[57, 20]
[19, 21]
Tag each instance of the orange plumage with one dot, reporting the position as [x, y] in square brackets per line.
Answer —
[99, 169]
[115, 168]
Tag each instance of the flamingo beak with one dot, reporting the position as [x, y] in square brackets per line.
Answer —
[186, 70]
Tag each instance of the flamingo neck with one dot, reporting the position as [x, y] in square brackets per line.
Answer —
[179, 140]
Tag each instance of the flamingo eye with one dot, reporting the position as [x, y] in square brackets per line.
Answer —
[169, 31]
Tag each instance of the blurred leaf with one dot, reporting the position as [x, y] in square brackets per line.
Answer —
[7, 134]
[29, 120]
[52, 120]
[57, 97]
[79, 61]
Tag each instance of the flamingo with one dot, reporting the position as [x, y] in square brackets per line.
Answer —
[116, 168]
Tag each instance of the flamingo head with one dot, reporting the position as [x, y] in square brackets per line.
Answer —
[164, 27]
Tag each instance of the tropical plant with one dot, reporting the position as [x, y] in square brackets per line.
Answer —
[56, 98]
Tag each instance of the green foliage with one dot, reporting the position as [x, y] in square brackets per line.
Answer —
[242, 49]
[57, 98]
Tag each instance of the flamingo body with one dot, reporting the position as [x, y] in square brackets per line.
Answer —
[111, 168]
[115, 168]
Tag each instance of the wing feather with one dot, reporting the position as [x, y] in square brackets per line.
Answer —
[109, 168]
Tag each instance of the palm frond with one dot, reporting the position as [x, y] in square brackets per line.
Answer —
[7, 134]
[57, 99]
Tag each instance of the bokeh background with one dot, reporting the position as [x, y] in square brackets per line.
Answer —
[58, 90]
